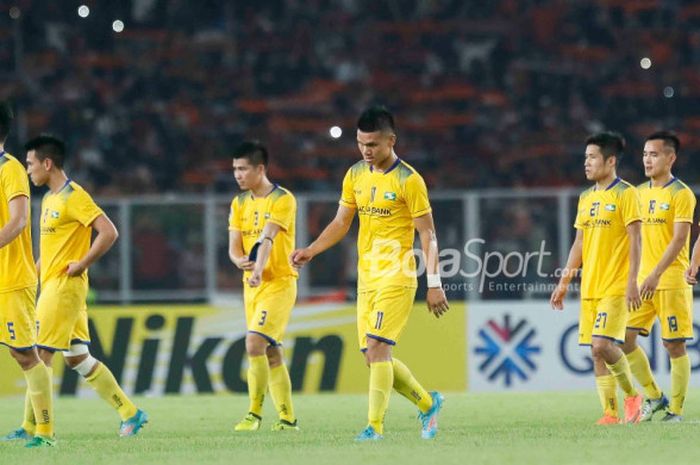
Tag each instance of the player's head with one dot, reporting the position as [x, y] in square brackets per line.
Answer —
[603, 153]
[249, 164]
[660, 151]
[6, 117]
[45, 155]
[376, 134]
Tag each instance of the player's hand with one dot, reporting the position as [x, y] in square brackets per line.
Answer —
[691, 275]
[634, 300]
[255, 278]
[74, 269]
[242, 263]
[437, 301]
[649, 286]
[300, 257]
[557, 298]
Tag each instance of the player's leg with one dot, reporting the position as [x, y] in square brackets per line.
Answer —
[258, 379]
[655, 400]
[381, 380]
[676, 318]
[280, 386]
[608, 332]
[18, 315]
[101, 379]
[680, 378]
[605, 382]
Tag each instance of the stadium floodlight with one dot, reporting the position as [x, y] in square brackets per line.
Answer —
[669, 92]
[645, 63]
[335, 132]
[15, 12]
[118, 25]
[83, 11]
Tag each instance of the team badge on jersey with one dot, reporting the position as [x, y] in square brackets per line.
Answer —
[390, 195]
[610, 207]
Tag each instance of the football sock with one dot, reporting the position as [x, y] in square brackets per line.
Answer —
[40, 387]
[103, 382]
[29, 422]
[639, 366]
[607, 392]
[381, 379]
[621, 371]
[281, 392]
[258, 376]
[407, 385]
[680, 377]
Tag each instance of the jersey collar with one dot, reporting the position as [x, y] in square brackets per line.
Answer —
[393, 165]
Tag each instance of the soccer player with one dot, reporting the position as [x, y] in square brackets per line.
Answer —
[261, 237]
[608, 246]
[68, 217]
[18, 282]
[667, 214]
[391, 200]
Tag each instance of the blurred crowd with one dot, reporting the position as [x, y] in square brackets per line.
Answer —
[486, 93]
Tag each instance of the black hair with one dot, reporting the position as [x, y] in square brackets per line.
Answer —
[376, 118]
[611, 144]
[6, 117]
[48, 146]
[254, 151]
[670, 139]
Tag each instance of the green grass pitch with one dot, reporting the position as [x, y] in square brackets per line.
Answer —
[552, 428]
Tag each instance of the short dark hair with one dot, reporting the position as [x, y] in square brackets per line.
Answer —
[670, 139]
[254, 151]
[6, 117]
[376, 118]
[611, 144]
[48, 146]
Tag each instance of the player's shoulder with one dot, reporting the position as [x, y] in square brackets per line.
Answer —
[586, 192]
[8, 160]
[358, 169]
[404, 171]
[678, 187]
[281, 194]
[620, 187]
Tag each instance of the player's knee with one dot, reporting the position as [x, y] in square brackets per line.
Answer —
[630, 344]
[256, 345]
[600, 349]
[80, 359]
[675, 349]
[274, 356]
[25, 358]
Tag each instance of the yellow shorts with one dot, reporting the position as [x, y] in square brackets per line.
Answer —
[62, 314]
[268, 308]
[606, 318]
[18, 318]
[673, 308]
[382, 314]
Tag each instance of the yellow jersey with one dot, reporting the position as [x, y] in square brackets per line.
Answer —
[662, 207]
[603, 216]
[66, 231]
[17, 270]
[249, 215]
[386, 202]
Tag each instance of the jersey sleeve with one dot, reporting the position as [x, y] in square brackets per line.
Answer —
[347, 197]
[283, 211]
[82, 208]
[234, 217]
[14, 181]
[630, 206]
[684, 206]
[416, 196]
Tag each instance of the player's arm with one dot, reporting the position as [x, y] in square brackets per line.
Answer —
[235, 251]
[680, 235]
[436, 299]
[634, 231]
[691, 274]
[19, 215]
[331, 235]
[107, 235]
[573, 263]
[270, 230]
